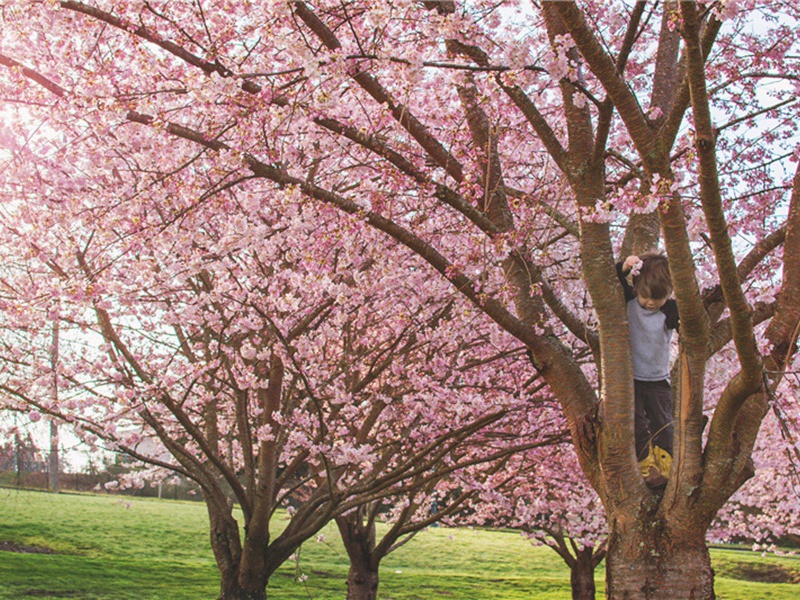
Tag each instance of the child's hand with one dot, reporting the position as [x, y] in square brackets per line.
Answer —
[630, 263]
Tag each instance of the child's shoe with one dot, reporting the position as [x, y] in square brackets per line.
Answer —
[654, 479]
[650, 471]
[663, 460]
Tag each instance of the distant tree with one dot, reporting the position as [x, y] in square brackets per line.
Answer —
[764, 512]
[454, 498]
[542, 494]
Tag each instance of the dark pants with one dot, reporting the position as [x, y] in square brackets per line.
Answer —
[653, 402]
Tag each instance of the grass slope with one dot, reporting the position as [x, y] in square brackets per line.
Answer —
[112, 548]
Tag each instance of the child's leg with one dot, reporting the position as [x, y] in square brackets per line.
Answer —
[658, 405]
[641, 419]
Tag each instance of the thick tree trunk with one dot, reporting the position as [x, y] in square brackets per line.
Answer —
[362, 582]
[231, 587]
[652, 564]
[582, 576]
[359, 541]
[230, 565]
[234, 592]
[252, 572]
[241, 576]
[227, 547]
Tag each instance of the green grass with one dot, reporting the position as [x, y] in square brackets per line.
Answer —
[112, 548]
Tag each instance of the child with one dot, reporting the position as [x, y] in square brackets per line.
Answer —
[652, 317]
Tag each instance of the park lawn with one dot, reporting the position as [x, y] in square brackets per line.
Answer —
[122, 548]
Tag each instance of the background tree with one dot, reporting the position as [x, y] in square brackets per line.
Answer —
[543, 494]
[454, 497]
[275, 365]
[763, 512]
[439, 123]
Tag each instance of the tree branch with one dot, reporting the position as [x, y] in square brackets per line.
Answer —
[33, 75]
[373, 87]
[606, 71]
[711, 199]
[145, 34]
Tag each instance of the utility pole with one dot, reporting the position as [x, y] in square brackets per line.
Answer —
[54, 465]
[19, 457]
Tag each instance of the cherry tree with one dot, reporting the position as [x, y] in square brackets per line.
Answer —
[452, 499]
[763, 512]
[543, 495]
[275, 365]
[519, 149]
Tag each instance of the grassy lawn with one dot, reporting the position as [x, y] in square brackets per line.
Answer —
[114, 548]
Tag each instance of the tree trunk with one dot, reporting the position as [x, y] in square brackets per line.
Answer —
[582, 575]
[653, 564]
[358, 538]
[362, 581]
[234, 592]
[227, 547]
[232, 589]
[53, 462]
[253, 571]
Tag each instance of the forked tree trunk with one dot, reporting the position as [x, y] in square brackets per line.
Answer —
[252, 574]
[232, 588]
[582, 575]
[653, 564]
[255, 560]
[227, 547]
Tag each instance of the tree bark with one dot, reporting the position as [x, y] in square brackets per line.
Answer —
[582, 575]
[362, 581]
[252, 574]
[358, 537]
[656, 563]
[234, 592]
[227, 547]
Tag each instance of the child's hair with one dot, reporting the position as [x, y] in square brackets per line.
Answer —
[653, 279]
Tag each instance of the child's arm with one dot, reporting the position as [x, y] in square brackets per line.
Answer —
[670, 310]
[630, 263]
[623, 268]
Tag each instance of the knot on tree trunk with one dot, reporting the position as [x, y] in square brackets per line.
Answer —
[587, 430]
[705, 144]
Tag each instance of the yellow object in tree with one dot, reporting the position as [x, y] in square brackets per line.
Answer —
[647, 462]
[651, 469]
[662, 459]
